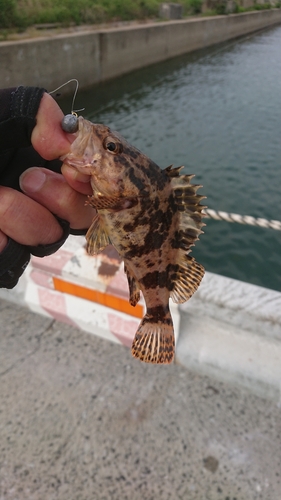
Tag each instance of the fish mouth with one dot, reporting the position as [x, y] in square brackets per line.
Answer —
[83, 155]
[81, 165]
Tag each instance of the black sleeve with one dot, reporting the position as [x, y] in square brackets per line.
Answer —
[15, 257]
[18, 110]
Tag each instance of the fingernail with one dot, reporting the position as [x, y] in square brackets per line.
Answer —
[32, 180]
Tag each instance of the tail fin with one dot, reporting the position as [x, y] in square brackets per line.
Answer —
[154, 341]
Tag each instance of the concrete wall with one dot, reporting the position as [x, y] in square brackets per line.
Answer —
[96, 56]
[48, 62]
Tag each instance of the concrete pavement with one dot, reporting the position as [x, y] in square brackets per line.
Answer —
[80, 419]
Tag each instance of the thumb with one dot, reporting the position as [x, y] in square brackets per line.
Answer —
[53, 192]
[48, 138]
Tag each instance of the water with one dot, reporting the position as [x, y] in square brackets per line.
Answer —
[216, 111]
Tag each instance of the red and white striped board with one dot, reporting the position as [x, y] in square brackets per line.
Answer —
[87, 292]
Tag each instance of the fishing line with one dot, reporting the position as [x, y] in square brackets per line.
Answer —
[69, 122]
[74, 96]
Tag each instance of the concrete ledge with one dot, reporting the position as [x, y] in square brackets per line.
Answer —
[232, 330]
[95, 56]
[229, 329]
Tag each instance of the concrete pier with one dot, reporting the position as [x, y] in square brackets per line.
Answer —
[80, 419]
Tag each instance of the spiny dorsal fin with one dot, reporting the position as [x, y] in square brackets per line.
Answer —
[97, 238]
[188, 203]
[187, 273]
[173, 172]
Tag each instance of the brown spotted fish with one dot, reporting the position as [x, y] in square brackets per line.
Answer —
[152, 217]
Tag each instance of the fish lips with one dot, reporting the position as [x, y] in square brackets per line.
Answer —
[84, 165]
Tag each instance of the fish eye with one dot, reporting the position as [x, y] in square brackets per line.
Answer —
[112, 147]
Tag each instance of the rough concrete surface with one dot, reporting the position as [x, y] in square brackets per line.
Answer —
[80, 419]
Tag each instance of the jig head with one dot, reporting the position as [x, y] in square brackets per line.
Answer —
[69, 122]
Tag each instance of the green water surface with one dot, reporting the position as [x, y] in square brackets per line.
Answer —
[218, 112]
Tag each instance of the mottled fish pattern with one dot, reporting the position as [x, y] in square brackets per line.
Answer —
[152, 217]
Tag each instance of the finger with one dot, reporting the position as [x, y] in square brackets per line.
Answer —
[53, 192]
[26, 221]
[79, 182]
[48, 138]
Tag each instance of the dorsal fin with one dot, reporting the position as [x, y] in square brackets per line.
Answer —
[187, 274]
[173, 172]
[188, 202]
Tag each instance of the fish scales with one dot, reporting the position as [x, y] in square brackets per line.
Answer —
[152, 217]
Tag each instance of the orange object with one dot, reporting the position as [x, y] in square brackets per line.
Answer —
[103, 298]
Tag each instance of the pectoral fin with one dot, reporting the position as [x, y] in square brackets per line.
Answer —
[101, 202]
[97, 237]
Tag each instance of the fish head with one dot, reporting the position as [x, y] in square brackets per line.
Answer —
[116, 168]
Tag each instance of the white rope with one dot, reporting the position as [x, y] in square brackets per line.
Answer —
[242, 219]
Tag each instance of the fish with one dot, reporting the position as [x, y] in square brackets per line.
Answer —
[152, 217]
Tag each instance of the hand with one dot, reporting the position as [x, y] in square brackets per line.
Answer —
[28, 218]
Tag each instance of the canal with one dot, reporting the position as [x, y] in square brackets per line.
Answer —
[217, 112]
